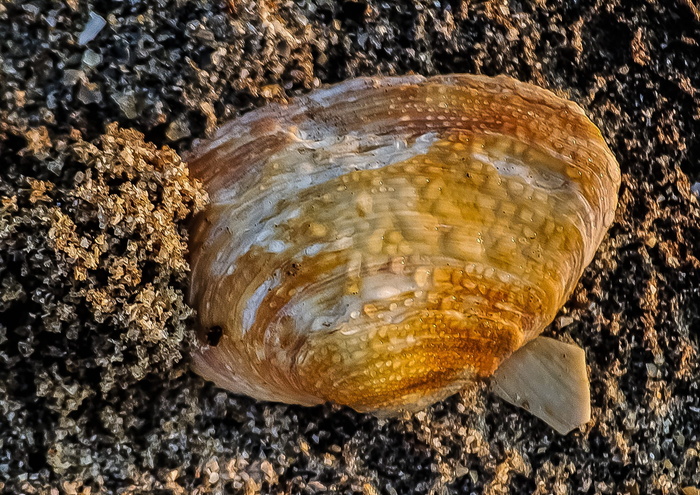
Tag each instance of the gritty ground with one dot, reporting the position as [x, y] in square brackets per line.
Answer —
[95, 394]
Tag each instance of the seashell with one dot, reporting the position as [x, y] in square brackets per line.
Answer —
[386, 242]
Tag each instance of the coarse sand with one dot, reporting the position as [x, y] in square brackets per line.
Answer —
[95, 391]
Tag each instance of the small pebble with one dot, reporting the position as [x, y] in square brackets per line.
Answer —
[695, 188]
[178, 129]
[127, 103]
[89, 93]
[93, 27]
[91, 58]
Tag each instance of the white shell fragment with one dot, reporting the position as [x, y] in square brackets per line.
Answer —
[549, 379]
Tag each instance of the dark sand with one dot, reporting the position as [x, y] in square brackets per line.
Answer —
[94, 395]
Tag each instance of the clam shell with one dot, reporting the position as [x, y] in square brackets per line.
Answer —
[385, 242]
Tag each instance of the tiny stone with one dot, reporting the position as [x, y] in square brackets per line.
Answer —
[695, 188]
[89, 93]
[317, 486]
[178, 129]
[565, 321]
[679, 438]
[127, 103]
[25, 349]
[31, 8]
[72, 76]
[55, 166]
[91, 58]
[92, 28]
[51, 19]
[652, 370]
[362, 39]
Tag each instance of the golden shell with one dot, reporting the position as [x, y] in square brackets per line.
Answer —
[384, 242]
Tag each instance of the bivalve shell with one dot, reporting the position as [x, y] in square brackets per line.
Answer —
[385, 242]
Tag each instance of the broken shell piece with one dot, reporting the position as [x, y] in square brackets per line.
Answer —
[385, 242]
[549, 379]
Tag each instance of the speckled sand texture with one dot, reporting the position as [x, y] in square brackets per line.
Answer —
[95, 395]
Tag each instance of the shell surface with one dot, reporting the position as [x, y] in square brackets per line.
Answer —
[384, 242]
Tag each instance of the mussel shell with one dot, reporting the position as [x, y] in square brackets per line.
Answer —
[384, 242]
